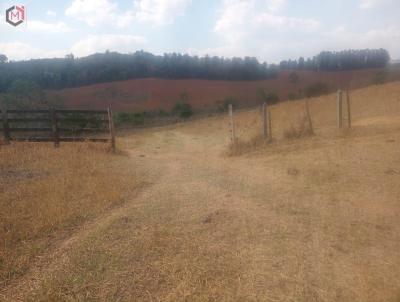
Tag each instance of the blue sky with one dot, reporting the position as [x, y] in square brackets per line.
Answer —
[270, 30]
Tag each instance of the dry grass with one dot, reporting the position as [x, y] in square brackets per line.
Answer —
[240, 147]
[302, 130]
[45, 193]
[289, 119]
[311, 219]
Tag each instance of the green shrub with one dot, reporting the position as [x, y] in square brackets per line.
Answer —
[317, 89]
[183, 110]
[292, 96]
[380, 78]
[270, 98]
[162, 113]
[131, 118]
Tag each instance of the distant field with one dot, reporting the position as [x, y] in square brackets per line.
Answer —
[314, 219]
[155, 94]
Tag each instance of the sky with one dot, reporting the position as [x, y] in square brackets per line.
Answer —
[270, 30]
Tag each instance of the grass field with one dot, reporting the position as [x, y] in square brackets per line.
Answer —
[47, 193]
[309, 219]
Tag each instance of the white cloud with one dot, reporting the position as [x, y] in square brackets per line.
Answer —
[160, 12]
[24, 51]
[249, 16]
[51, 13]
[343, 38]
[43, 27]
[275, 5]
[272, 20]
[93, 12]
[366, 4]
[106, 12]
[101, 43]
[256, 27]
[89, 45]
[369, 4]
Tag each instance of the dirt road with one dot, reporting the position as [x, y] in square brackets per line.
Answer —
[311, 220]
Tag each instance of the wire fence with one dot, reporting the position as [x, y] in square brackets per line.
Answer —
[369, 106]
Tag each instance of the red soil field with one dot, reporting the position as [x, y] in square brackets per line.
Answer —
[154, 94]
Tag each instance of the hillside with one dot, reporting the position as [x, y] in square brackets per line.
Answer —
[311, 219]
[154, 94]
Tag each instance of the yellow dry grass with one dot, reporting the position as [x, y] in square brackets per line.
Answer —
[367, 104]
[310, 219]
[45, 193]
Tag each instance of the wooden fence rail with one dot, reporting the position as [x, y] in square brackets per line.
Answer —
[58, 125]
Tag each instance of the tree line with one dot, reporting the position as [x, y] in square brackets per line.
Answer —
[112, 66]
[342, 60]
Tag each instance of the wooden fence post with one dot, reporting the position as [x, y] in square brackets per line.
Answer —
[112, 129]
[269, 124]
[232, 124]
[339, 108]
[310, 124]
[6, 128]
[348, 108]
[54, 126]
[264, 121]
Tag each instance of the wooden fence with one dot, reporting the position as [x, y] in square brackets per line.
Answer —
[58, 125]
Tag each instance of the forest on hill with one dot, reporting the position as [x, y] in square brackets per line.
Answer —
[105, 67]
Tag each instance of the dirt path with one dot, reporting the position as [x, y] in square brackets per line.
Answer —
[264, 227]
[161, 159]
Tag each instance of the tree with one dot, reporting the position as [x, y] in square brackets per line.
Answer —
[112, 66]
[182, 108]
[28, 95]
[301, 63]
[342, 60]
[3, 58]
[70, 56]
[268, 97]
[293, 78]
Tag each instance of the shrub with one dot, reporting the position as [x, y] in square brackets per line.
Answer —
[183, 110]
[317, 89]
[292, 96]
[133, 118]
[242, 147]
[162, 113]
[28, 95]
[302, 130]
[270, 98]
[223, 106]
[380, 78]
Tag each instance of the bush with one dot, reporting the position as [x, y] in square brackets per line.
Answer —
[132, 118]
[28, 95]
[223, 106]
[162, 113]
[380, 78]
[317, 89]
[183, 110]
[270, 98]
[292, 96]
[302, 130]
